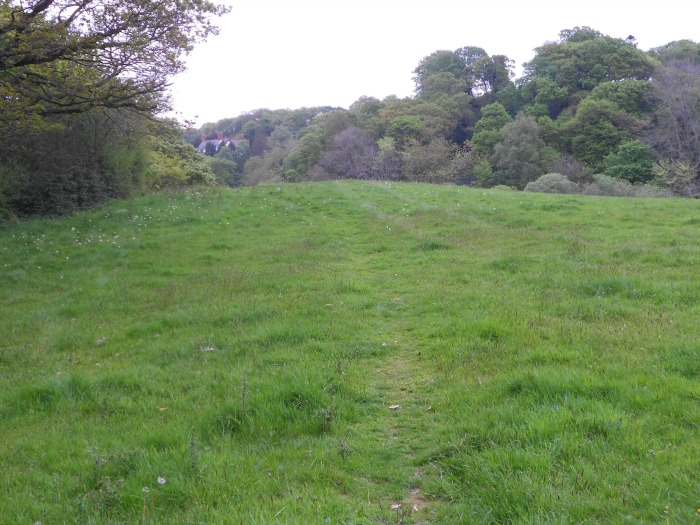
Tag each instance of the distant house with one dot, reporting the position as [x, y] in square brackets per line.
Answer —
[212, 146]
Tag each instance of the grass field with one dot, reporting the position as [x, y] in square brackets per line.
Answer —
[352, 352]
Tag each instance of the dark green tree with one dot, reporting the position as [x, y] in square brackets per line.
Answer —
[596, 131]
[633, 161]
[487, 131]
[584, 58]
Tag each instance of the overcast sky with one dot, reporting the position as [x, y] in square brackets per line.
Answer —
[293, 53]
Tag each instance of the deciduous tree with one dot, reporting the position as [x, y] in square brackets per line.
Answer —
[66, 56]
[351, 156]
[519, 157]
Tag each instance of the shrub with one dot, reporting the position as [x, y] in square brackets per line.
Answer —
[552, 183]
[603, 185]
[633, 161]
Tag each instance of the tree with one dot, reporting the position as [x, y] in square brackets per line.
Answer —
[351, 156]
[677, 51]
[519, 157]
[62, 57]
[487, 131]
[429, 162]
[633, 161]
[438, 62]
[597, 129]
[583, 58]
[678, 176]
[365, 114]
[676, 130]
[491, 74]
[404, 128]
[305, 155]
[387, 161]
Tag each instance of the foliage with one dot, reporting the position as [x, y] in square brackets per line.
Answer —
[12, 178]
[519, 157]
[552, 183]
[173, 161]
[445, 64]
[596, 100]
[305, 155]
[584, 58]
[484, 176]
[429, 162]
[572, 168]
[403, 129]
[225, 171]
[632, 161]
[596, 131]
[387, 161]
[92, 157]
[270, 166]
[546, 97]
[352, 155]
[487, 131]
[64, 57]
[678, 176]
[677, 51]
[632, 96]
[464, 166]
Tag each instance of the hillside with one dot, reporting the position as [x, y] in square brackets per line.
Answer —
[352, 352]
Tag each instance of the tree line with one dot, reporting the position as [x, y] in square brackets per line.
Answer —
[82, 85]
[601, 114]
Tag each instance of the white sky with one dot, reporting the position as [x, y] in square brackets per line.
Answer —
[293, 53]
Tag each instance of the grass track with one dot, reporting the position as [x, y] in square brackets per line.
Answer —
[247, 346]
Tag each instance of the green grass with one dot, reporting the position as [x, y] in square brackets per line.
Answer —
[247, 345]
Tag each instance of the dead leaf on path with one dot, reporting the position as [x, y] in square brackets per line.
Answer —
[394, 407]
[100, 340]
[395, 506]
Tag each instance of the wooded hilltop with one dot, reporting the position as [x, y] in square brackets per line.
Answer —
[591, 113]
[79, 120]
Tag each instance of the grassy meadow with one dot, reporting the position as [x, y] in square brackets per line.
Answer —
[352, 353]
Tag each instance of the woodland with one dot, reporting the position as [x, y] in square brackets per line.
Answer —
[84, 85]
[590, 114]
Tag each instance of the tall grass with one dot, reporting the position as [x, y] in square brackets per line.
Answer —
[352, 353]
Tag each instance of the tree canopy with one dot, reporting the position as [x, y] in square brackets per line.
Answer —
[591, 108]
[67, 56]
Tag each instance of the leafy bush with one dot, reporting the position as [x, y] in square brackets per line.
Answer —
[633, 161]
[553, 183]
